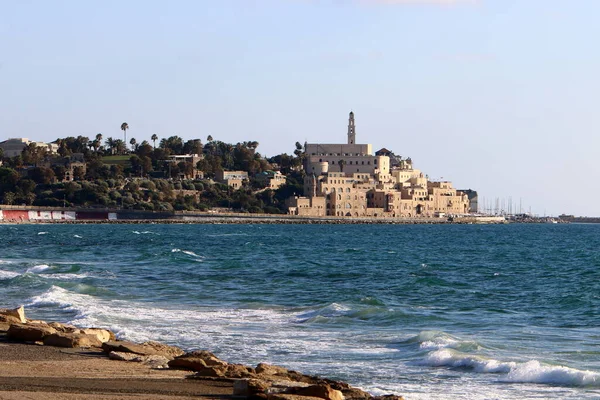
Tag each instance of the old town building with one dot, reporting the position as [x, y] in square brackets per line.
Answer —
[346, 180]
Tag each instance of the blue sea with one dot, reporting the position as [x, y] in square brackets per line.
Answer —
[424, 311]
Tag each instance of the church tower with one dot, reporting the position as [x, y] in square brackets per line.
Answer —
[351, 129]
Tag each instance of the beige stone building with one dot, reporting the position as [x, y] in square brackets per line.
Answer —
[234, 179]
[14, 147]
[345, 180]
[271, 179]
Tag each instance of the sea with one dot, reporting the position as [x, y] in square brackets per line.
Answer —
[424, 311]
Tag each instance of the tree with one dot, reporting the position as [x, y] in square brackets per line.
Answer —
[124, 127]
[133, 142]
[154, 138]
[209, 138]
[120, 146]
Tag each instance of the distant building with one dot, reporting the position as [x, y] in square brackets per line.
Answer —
[271, 179]
[15, 146]
[345, 180]
[188, 158]
[235, 179]
[473, 200]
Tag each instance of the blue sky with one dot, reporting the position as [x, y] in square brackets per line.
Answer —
[498, 96]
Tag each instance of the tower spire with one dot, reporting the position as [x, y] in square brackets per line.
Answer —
[351, 129]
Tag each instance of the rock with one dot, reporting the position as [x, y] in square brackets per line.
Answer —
[239, 371]
[63, 327]
[321, 391]
[249, 387]
[103, 335]
[10, 319]
[355, 394]
[210, 372]
[29, 333]
[122, 356]
[158, 362]
[72, 340]
[284, 396]
[268, 369]
[18, 312]
[196, 361]
[4, 326]
[146, 349]
[388, 397]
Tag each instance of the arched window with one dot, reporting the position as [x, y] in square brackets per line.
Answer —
[347, 190]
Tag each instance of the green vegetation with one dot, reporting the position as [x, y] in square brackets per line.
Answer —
[90, 173]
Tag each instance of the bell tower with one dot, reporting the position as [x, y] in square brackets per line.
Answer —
[351, 129]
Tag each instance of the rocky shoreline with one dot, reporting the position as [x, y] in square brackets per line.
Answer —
[265, 381]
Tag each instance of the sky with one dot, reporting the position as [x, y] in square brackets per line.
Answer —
[499, 96]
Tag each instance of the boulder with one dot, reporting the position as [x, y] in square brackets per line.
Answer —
[239, 371]
[29, 333]
[18, 312]
[210, 372]
[122, 356]
[352, 393]
[321, 391]
[196, 361]
[284, 396]
[103, 335]
[10, 319]
[4, 326]
[63, 327]
[146, 348]
[388, 397]
[268, 369]
[72, 340]
[250, 387]
[158, 362]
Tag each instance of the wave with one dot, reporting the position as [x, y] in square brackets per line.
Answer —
[188, 252]
[144, 233]
[535, 372]
[38, 268]
[140, 322]
[42, 233]
[445, 351]
[4, 275]
[77, 236]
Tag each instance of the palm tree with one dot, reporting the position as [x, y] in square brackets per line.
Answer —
[110, 143]
[132, 142]
[154, 138]
[124, 127]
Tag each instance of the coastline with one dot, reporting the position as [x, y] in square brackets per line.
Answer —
[52, 360]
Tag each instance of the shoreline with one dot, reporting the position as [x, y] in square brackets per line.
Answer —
[51, 360]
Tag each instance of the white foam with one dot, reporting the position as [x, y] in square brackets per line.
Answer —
[77, 236]
[455, 359]
[8, 274]
[188, 252]
[534, 372]
[38, 268]
[67, 277]
[42, 233]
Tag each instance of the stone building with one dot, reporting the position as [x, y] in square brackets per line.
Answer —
[234, 179]
[15, 146]
[345, 180]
